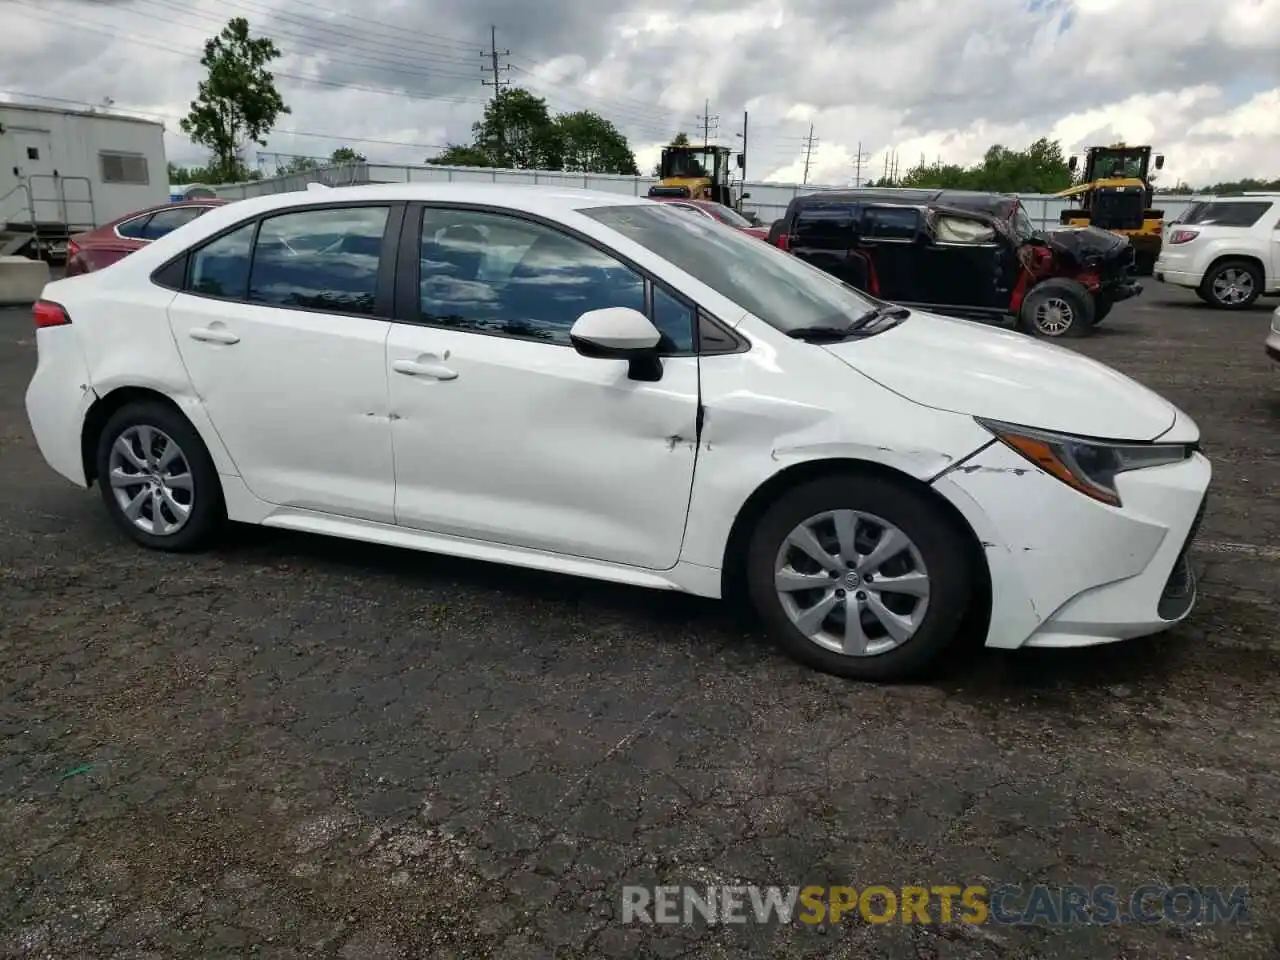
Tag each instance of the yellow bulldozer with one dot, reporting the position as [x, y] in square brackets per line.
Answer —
[697, 173]
[1115, 193]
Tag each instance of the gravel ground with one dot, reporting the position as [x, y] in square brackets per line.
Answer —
[298, 748]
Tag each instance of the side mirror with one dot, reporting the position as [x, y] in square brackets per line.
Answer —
[742, 162]
[745, 196]
[620, 333]
[1072, 164]
[1159, 161]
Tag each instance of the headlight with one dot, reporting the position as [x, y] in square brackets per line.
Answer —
[1089, 466]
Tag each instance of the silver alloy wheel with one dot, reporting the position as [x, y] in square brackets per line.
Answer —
[852, 583]
[151, 479]
[1233, 286]
[1054, 316]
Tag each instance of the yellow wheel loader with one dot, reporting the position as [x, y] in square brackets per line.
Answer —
[1115, 193]
[696, 173]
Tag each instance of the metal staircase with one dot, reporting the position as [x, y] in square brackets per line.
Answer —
[25, 228]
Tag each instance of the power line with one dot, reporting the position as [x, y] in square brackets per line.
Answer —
[707, 120]
[808, 152]
[857, 165]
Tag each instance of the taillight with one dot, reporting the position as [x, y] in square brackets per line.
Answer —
[784, 241]
[1182, 236]
[72, 249]
[50, 314]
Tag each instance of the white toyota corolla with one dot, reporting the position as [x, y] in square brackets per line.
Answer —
[601, 386]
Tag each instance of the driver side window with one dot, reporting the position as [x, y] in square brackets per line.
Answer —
[498, 274]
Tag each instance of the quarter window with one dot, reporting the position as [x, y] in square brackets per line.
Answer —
[892, 223]
[135, 229]
[320, 259]
[498, 274]
[1233, 213]
[674, 320]
[221, 268]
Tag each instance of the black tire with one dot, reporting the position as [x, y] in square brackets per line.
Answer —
[1101, 307]
[207, 508]
[1077, 300]
[1221, 268]
[941, 546]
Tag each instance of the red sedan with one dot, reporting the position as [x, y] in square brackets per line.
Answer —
[98, 248]
[718, 211]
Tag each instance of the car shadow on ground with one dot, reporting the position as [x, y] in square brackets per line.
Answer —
[1042, 677]
[1196, 305]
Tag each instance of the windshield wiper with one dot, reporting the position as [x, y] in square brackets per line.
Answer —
[886, 311]
[819, 333]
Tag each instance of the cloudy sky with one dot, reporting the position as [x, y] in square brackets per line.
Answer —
[397, 79]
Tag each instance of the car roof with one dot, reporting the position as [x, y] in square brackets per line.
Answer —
[1242, 198]
[930, 196]
[529, 198]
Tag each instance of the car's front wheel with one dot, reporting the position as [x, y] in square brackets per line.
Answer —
[157, 479]
[1057, 308]
[860, 577]
[1231, 285]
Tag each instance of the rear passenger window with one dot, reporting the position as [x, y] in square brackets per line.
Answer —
[168, 220]
[320, 259]
[891, 223]
[1239, 213]
[221, 268]
[825, 227]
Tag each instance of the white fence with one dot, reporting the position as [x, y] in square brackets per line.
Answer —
[768, 201]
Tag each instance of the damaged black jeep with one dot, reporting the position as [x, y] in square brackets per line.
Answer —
[966, 254]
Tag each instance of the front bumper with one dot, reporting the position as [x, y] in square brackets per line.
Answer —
[1069, 571]
[1122, 290]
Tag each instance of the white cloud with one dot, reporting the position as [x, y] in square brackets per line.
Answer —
[919, 77]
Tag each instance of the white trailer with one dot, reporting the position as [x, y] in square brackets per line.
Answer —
[64, 171]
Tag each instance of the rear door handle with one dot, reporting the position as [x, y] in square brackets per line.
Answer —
[213, 335]
[426, 367]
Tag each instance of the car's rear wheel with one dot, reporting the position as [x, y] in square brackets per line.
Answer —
[860, 577]
[1232, 285]
[157, 479]
[1057, 308]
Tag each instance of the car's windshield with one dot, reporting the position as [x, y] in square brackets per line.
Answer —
[1023, 228]
[780, 289]
[730, 216]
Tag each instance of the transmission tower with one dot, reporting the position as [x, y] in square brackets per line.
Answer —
[493, 67]
[708, 120]
[809, 142]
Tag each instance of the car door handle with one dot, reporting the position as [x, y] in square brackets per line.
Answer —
[432, 368]
[212, 335]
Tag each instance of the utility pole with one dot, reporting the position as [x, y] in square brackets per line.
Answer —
[857, 165]
[708, 121]
[492, 54]
[743, 135]
[809, 141]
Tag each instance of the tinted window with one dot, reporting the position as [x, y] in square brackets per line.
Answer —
[497, 274]
[167, 220]
[728, 215]
[674, 319]
[825, 227]
[320, 259]
[135, 229]
[782, 290]
[1239, 213]
[891, 223]
[221, 268]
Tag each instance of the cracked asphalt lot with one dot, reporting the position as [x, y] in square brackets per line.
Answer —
[300, 748]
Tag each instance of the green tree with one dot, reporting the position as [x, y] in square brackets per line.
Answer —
[591, 144]
[517, 131]
[297, 165]
[237, 102]
[461, 155]
[1040, 168]
[347, 155]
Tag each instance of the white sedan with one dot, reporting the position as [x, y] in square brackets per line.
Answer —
[601, 386]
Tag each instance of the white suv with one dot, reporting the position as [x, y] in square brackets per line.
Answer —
[1227, 250]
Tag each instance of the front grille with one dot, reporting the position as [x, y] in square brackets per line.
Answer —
[1119, 211]
[1180, 589]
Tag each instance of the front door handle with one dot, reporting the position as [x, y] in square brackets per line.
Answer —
[213, 335]
[426, 366]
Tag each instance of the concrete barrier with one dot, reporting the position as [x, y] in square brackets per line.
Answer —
[21, 280]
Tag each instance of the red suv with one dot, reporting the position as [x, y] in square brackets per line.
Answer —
[102, 247]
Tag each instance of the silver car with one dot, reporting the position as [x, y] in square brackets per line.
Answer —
[1273, 338]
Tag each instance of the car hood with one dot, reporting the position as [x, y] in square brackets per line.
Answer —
[1082, 243]
[966, 367]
